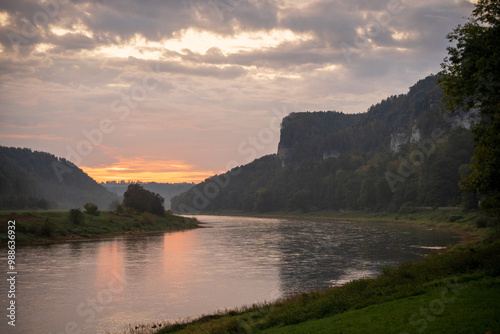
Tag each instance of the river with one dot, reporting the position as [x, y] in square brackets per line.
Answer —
[105, 285]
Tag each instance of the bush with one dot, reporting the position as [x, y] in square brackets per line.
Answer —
[46, 229]
[148, 218]
[481, 223]
[91, 209]
[453, 219]
[76, 216]
[119, 210]
[130, 212]
[407, 208]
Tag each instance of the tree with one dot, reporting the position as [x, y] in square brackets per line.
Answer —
[76, 216]
[471, 80]
[91, 209]
[142, 200]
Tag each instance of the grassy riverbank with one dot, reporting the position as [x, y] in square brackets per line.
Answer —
[50, 226]
[473, 225]
[454, 292]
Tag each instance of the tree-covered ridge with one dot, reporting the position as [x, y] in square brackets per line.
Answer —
[315, 135]
[28, 176]
[349, 182]
[334, 161]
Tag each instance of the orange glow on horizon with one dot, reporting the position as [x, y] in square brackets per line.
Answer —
[140, 169]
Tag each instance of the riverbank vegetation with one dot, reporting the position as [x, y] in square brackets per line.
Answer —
[472, 225]
[48, 226]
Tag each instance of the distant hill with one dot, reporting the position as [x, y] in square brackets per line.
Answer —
[166, 190]
[405, 152]
[31, 180]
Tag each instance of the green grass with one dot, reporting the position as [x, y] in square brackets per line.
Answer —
[474, 309]
[390, 303]
[46, 226]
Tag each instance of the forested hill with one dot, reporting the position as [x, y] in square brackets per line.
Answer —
[38, 180]
[404, 152]
[393, 122]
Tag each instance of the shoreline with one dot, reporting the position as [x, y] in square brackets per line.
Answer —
[465, 227]
[50, 227]
[97, 237]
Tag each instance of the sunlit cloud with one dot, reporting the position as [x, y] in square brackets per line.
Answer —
[4, 18]
[201, 41]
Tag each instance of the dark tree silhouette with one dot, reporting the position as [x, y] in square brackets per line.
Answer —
[142, 200]
[471, 80]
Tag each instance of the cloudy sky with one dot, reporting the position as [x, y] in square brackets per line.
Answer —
[178, 90]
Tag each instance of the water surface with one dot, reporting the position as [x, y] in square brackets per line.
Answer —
[104, 285]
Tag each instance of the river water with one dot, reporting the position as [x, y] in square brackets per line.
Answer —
[105, 285]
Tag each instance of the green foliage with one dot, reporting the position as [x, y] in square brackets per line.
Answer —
[120, 210]
[349, 182]
[407, 208]
[46, 230]
[91, 209]
[148, 218]
[471, 80]
[37, 180]
[76, 216]
[319, 135]
[22, 203]
[453, 219]
[143, 200]
[481, 223]
[36, 226]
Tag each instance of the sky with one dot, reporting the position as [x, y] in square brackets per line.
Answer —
[180, 90]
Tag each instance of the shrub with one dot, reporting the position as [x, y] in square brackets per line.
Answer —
[407, 208]
[46, 229]
[76, 216]
[130, 212]
[91, 209]
[119, 210]
[148, 218]
[481, 223]
[453, 219]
